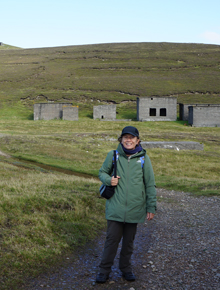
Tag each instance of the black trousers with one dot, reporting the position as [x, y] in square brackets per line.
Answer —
[116, 231]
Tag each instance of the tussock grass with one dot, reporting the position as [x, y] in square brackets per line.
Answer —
[41, 217]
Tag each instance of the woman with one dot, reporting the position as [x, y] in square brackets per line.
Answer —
[134, 199]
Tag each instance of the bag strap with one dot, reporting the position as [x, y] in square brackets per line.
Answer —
[115, 164]
[142, 161]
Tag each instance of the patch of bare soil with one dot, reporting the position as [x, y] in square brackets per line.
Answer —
[179, 249]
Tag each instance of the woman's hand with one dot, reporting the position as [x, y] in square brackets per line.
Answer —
[114, 181]
[150, 216]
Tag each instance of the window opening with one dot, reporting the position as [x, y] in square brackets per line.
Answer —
[102, 117]
[163, 112]
[152, 112]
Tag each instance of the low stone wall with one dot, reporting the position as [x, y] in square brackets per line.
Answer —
[174, 145]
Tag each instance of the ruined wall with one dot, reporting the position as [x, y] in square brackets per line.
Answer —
[48, 111]
[156, 109]
[204, 116]
[70, 113]
[184, 111]
[104, 112]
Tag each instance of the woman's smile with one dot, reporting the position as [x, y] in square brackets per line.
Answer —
[129, 141]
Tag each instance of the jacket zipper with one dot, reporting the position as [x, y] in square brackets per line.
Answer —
[127, 188]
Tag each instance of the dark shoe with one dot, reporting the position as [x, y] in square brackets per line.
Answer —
[129, 276]
[101, 278]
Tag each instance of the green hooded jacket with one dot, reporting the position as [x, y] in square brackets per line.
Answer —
[135, 194]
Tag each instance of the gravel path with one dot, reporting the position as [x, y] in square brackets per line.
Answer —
[179, 249]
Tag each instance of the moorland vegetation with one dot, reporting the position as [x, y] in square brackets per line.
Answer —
[118, 73]
[44, 215]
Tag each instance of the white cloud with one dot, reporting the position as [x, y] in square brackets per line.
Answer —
[211, 36]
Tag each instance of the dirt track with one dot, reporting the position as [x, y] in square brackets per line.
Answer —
[179, 249]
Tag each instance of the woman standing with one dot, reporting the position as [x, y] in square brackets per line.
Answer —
[134, 199]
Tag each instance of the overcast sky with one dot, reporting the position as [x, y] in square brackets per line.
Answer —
[47, 23]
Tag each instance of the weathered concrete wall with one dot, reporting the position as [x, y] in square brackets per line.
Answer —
[173, 145]
[204, 116]
[157, 109]
[107, 112]
[45, 111]
[184, 111]
[70, 113]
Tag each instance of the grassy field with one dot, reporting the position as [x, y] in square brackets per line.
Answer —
[45, 215]
[43, 218]
[82, 146]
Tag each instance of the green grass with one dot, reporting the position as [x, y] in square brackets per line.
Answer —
[43, 215]
[82, 146]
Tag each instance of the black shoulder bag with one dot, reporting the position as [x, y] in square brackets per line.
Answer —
[105, 190]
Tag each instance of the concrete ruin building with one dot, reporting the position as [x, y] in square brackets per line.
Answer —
[184, 111]
[204, 115]
[156, 109]
[48, 111]
[105, 112]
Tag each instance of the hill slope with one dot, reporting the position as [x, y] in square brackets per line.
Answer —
[7, 46]
[111, 73]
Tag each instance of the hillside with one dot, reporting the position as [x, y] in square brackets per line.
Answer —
[7, 46]
[91, 74]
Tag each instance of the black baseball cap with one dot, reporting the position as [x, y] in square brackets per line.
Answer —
[130, 130]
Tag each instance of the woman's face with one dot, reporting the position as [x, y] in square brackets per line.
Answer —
[129, 141]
